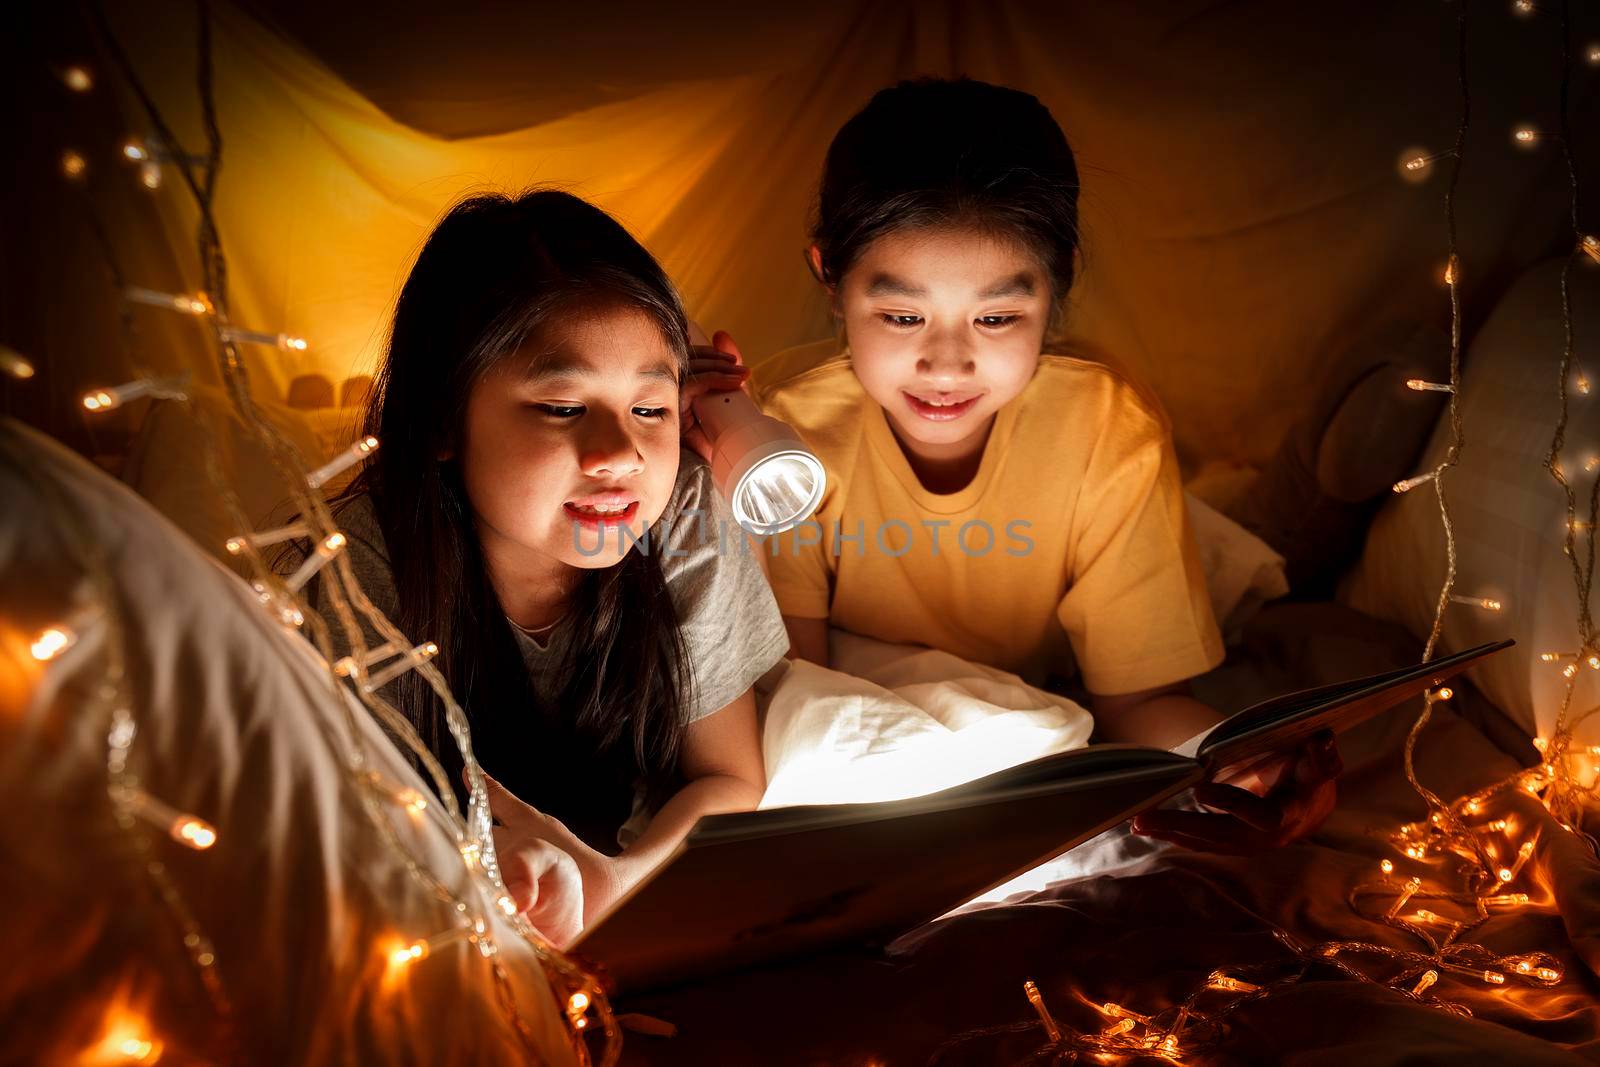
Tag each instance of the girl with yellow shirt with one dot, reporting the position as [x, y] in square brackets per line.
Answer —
[985, 497]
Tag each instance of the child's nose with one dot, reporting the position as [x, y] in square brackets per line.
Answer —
[607, 447]
[946, 359]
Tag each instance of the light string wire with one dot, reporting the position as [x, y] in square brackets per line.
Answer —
[475, 838]
[1184, 1028]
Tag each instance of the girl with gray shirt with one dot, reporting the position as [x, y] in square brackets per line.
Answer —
[533, 513]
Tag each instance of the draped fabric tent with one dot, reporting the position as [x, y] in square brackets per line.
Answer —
[1245, 218]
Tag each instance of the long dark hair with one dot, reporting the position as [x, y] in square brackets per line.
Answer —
[936, 152]
[494, 270]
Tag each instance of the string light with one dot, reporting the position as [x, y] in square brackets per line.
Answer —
[342, 462]
[77, 77]
[417, 951]
[282, 341]
[1415, 164]
[1218, 980]
[188, 830]
[1486, 603]
[1436, 387]
[1406, 893]
[326, 549]
[1411, 483]
[172, 388]
[407, 661]
[189, 305]
[266, 538]
[1525, 136]
[1425, 983]
[73, 165]
[1523, 7]
[1590, 245]
[15, 364]
[1594, 54]
[52, 641]
[1045, 1018]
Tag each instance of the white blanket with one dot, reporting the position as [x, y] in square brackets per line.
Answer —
[894, 721]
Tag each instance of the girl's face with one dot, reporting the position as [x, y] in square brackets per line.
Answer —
[572, 440]
[945, 327]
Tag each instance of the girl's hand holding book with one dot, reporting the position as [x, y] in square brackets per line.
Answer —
[1297, 791]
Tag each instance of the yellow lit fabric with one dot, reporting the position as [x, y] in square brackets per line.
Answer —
[1242, 212]
[1073, 530]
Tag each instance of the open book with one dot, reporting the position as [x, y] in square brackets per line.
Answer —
[757, 886]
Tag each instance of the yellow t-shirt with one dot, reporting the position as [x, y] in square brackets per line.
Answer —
[1072, 533]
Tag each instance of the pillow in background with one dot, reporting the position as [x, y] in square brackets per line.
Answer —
[1509, 515]
[1313, 500]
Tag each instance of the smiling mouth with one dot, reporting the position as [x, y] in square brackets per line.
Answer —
[940, 408]
[595, 515]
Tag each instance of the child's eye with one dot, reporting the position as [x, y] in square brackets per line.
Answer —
[902, 322]
[996, 322]
[561, 411]
[652, 413]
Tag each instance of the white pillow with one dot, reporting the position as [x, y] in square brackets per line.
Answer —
[1242, 571]
[237, 724]
[1509, 514]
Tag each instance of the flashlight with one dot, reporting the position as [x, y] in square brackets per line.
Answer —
[767, 474]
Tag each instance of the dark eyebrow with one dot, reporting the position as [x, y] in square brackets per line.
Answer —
[889, 285]
[560, 367]
[1016, 285]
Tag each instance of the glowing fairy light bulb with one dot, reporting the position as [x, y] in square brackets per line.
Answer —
[1118, 1029]
[342, 462]
[507, 905]
[1569, 670]
[1593, 54]
[1425, 982]
[416, 951]
[1494, 978]
[188, 830]
[1547, 974]
[1415, 164]
[1218, 980]
[1451, 272]
[1525, 136]
[1592, 464]
[1387, 867]
[266, 538]
[1046, 1020]
[1505, 900]
[73, 165]
[1406, 892]
[77, 78]
[326, 549]
[1411, 483]
[1444, 692]
[1523, 8]
[1547, 657]
[182, 302]
[15, 364]
[1117, 1011]
[1484, 602]
[1419, 385]
[1590, 246]
[150, 175]
[281, 341]
[195, 833]
[51, 642]
[172, 388]
[408, 660]
[134, 151]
